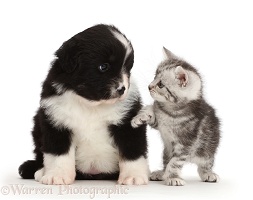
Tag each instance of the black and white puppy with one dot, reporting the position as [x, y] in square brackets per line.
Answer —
[82, 129]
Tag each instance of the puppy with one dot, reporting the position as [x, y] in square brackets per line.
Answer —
[82, 129]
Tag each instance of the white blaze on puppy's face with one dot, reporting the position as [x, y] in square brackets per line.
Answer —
[124, 42]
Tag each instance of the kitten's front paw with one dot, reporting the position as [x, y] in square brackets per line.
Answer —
[210, 177]
[157, 175]
[174, 181]
[140, 119]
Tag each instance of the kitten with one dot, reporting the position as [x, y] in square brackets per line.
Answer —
[188, 125]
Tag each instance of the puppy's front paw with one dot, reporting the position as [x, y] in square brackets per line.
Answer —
[39, 174]
[50, 179]
[55, 177]
[134, 172]
[133, 180]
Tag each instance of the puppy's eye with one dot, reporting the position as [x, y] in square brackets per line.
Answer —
[160, 85]
[104, 67]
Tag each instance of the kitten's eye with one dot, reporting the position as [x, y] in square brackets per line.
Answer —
[104, 67]
[160, 85]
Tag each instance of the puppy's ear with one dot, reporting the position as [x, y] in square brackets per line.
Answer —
[68, 56]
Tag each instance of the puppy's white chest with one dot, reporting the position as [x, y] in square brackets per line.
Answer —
[95, 149]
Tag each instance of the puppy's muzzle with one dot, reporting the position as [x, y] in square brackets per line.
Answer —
[121, 90]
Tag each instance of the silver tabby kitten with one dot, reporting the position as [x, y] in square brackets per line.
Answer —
[188, 125]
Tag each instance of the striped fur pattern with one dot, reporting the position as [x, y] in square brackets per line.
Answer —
[189, 126]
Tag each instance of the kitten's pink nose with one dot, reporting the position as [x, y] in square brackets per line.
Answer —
[150, 87]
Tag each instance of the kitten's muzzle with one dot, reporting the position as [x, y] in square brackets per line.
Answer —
[150, 87]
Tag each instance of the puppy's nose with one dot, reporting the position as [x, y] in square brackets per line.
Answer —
[121, 90]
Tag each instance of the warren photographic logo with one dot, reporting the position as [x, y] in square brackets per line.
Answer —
[91, 192]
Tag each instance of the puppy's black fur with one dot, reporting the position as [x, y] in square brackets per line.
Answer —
[76, 67]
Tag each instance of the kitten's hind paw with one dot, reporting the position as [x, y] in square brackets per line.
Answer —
[174, 181]
[210, 177]
[157, 175]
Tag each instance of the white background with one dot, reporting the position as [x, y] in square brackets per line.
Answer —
[214, 36]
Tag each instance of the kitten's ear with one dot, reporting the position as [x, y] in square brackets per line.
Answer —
[168, 54]
[181, 76]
